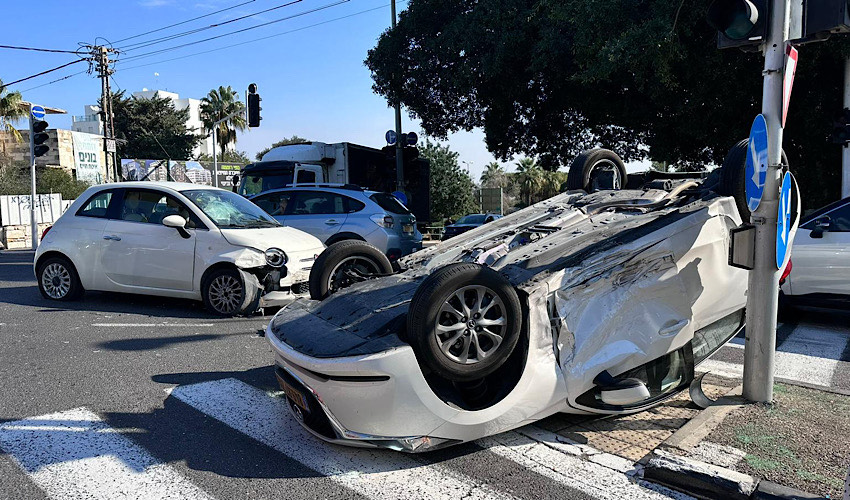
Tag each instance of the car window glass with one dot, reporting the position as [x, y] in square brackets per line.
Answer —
[152, 207]
[273, 203]
[352, 205]
[389, 203]
[315, 202]
[306, 176]
[97, 205]
[840, 219]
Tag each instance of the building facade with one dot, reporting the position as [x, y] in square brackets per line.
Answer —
[61, 152]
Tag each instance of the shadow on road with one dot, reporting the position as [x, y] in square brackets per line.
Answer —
[153, 343]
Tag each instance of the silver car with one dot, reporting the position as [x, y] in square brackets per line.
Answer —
[337, 213]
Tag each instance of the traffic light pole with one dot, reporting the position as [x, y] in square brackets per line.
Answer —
[763, 286]
[845, 150]
[33, 224]
[399, 143]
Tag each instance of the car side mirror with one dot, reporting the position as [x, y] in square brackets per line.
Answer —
[178, 223]
[822, 225]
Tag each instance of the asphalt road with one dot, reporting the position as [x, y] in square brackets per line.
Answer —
[141, 397]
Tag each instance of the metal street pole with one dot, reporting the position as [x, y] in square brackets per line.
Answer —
[845, 150]
[33, 225]
[763, 285]
[399, 144]
[215, 154]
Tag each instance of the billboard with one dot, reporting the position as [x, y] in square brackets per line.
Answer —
[179, 171]
[87, 155]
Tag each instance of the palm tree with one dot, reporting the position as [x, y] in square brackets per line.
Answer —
[10, 111]
[216, 106]
[493, 176]
[530, 178]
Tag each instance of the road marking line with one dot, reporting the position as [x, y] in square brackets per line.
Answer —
[118, 325]
[373, 473]
[589, 477]
[75, 455]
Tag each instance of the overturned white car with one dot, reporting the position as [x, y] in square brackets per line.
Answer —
[598, 303]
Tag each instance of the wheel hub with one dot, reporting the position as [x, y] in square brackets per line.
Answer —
[471, 324]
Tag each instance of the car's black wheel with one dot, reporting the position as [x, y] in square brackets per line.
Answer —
[342, 264]
[597, 169]
[733, 180]
[230, 292]
[464, 321]
[58, 279]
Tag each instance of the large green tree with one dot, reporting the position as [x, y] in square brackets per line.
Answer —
[643, 77]
[451, 187]
[283, 142]
[152, 128]
[223, 104]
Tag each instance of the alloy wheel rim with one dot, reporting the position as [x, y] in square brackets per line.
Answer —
[225, 294]
[337, 279]
[56, 280]
[471, 324]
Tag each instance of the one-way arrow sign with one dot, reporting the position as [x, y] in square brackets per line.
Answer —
[757, 156]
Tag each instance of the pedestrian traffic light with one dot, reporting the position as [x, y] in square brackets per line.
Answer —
[254, 106]
[841, 127]
[39, 137]
[740, 23]
[824, 17]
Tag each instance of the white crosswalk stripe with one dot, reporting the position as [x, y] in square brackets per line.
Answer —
[372, 473]
[75, 455]
[810, 354]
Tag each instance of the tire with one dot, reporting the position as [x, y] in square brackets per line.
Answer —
[231, 292]
[58, 280]
[326, 275]
[431, 306]
[586, 166]
[732, 177]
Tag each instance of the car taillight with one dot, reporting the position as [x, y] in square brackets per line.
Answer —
[786, 272]
[43, 234]
[383, 220]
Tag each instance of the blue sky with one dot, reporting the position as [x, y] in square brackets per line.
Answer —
[313, 81]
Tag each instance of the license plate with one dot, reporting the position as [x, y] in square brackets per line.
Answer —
[407, 228]
[295, 395]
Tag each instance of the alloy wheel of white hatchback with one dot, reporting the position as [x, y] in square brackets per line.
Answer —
[470, 324]
[56, 280]
[226, 294]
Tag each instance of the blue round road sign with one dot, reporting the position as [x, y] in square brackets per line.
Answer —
[412, 138]
[784, 221]
[400, 197]
[37, 112]
[757, 158]
[391, 137]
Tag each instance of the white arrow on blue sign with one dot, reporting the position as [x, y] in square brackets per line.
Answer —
[37, 112]
[391, 137]
[757, 158]
[788, 217]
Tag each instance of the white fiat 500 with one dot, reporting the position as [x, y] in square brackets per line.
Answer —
[174, 240]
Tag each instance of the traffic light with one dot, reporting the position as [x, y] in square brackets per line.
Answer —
[841, 127]
[408, 153]
[39, 137]
[254, 106]
[740, 23]
[821, 18]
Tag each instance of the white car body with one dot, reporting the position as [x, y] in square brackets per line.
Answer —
[114, 255]
[603, 290]
[821, 265]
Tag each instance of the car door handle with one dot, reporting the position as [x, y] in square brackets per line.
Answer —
[112, 237]
[673, 329]
[331, 222]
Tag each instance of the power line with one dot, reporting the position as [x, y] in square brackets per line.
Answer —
[185, 22]
[139, 45]
[259, 39]
[327, 6]
[44, 72]
[54, 81]
[15, 47]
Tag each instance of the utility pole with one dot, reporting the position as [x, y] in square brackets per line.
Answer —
[399, 144]
[763, 285]
[101, 56]
[845, 150]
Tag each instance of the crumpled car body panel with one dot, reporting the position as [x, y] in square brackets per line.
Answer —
[609, 282]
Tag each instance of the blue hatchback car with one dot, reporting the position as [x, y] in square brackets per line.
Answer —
[335, 213]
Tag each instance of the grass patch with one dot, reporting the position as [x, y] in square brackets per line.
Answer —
[761, 464]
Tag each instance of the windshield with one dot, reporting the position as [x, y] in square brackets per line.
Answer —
[390, 203]
[229, 210]
[472, 219]
[252, 184]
